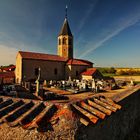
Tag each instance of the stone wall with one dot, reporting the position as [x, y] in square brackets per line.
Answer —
[47, 69]
[122, 125]
[65, 50]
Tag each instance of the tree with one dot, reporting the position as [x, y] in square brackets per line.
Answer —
[112, 70]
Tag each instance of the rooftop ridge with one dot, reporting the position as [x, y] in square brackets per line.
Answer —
[41, 56]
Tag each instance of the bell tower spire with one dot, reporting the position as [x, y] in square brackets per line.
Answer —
[65, 40]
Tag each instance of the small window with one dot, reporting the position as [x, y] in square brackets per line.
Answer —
[77, 73]
[55, 71]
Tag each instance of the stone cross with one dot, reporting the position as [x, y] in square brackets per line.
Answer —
[37, 82]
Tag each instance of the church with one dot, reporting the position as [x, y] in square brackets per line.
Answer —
[53, 67]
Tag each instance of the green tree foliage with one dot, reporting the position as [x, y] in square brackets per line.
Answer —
[112, 71]
[107, 70]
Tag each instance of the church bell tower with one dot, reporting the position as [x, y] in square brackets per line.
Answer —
[65, 40]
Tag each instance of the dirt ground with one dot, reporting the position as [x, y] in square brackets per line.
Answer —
[18, 133]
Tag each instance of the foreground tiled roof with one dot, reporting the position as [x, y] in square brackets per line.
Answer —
[7, 74]
[41, 56]
[78, 62]
[34, 114]
[94, 109]
[89, 72]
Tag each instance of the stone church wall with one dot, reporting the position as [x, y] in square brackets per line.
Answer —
[50, 70]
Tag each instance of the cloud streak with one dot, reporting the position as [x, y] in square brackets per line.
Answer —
[87, 15]
[123, 24]
[83, 21]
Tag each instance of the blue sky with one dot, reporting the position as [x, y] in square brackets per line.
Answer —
[106, 32]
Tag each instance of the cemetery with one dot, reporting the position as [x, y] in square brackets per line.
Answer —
[74, 105]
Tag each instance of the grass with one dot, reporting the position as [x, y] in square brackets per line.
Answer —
[109, 74]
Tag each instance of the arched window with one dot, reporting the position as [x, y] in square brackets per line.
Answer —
[59, 41]
[55, 71]
[77, 73]
[64, 41]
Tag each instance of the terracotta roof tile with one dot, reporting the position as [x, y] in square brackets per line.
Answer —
[41, 56]
[89, 112]
[7, 74]
[89, 72]
[78, 62]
